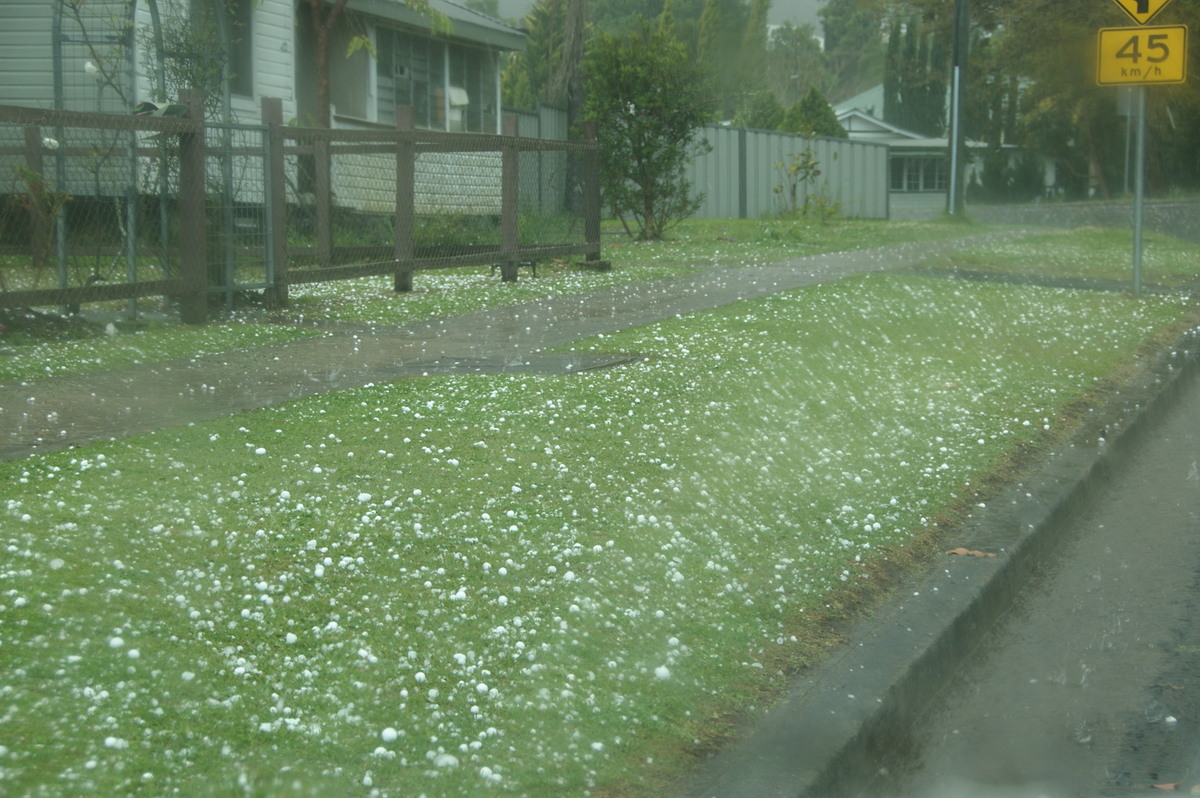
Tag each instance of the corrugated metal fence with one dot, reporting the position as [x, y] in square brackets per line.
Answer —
[745, 175]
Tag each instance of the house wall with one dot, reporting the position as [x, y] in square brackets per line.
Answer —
[24, 47]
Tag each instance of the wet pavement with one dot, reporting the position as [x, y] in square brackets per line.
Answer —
[60, 412]
[1087, 686]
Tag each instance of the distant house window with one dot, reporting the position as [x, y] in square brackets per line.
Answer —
[348, 75]
[410, 71]
[919, 173]
[449, 86]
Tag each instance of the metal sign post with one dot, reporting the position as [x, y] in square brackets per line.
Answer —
[1139, 57]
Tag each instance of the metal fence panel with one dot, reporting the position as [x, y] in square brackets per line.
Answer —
[744, 176]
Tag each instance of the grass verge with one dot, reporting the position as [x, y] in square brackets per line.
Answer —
[516, 584]
[694, 246]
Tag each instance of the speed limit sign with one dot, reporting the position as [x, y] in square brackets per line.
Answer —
[1142, 56]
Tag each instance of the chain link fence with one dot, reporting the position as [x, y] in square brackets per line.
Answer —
[176, 215]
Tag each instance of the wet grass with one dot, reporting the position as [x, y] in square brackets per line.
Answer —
[1087, 254]
[28, 356]
[523, 585]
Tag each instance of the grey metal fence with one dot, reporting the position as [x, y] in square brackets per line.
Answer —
[745, 175]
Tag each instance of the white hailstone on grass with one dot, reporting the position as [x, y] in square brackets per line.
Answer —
[419, 677]
[364, 497]
[389, 735]
[116, 641]
[662, 672]
[445, 760]
[291, 638]
[115, 742]
[187, 676]
[133, 653]
[318, 570]
[260, 450]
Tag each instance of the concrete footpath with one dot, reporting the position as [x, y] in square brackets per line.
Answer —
[60, 412]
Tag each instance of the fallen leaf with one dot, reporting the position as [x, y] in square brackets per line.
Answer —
[963, 552]
[1168, 787]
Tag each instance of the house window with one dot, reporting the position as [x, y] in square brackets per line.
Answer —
[919, 173]
[348, 74]
[449, 86]
[410, 70]
[472, 90]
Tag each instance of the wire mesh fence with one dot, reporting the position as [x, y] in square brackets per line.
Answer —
[178, 215]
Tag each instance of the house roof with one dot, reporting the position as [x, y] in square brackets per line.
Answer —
[863, 126]
[467, 24]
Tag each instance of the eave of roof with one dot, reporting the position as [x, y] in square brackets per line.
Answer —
[466, 23]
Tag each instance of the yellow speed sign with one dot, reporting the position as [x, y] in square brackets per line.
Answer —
[1133, 56]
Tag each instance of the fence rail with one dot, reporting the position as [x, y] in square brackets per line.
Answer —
[110, 207]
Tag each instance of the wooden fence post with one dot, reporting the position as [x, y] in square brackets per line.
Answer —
[591, 190]
[406, 157]
[193, 260]
[40, 225]
[272, 117]
[510, 185]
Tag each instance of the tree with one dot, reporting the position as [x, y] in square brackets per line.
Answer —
[853, 44]
[648, 99]
[760, 110]
[914, 79]
[324, 18]
[526, 78]
[795, 63]
[813, 116]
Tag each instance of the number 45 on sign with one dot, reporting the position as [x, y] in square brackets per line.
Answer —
[1142, 56]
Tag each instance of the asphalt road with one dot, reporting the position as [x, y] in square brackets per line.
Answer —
[1090, 684]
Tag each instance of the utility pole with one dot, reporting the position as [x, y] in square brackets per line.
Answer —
[955, 203]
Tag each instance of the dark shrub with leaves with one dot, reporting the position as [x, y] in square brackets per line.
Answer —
[649, 99]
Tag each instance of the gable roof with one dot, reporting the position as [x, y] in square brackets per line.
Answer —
[467, 23]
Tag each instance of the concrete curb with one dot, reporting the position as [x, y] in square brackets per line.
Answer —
[840, 721]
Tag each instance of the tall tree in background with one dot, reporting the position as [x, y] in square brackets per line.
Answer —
[566, 81]
[914, 81]
[752, 62]
[853, 45]
[527, 75]
[795, 63]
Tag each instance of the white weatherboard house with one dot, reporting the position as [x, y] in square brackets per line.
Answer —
[108, 56]
[101, 56]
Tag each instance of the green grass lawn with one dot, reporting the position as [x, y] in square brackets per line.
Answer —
[1085, 254]
[515, 585]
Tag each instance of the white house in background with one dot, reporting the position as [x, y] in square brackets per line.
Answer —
[918, 166]
[99, 56]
